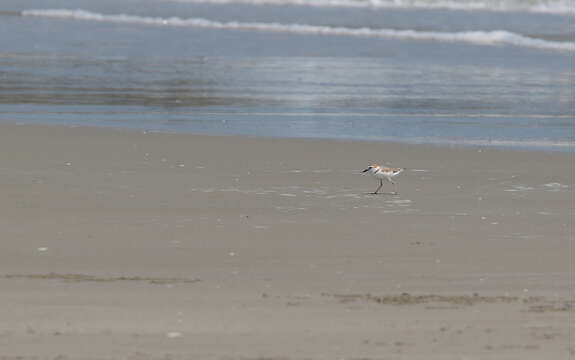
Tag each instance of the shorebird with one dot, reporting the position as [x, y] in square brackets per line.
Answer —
[381, 173]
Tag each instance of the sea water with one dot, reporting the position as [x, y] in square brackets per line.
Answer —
[477, 72]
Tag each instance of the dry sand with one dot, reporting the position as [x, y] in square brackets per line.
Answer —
[121, 244]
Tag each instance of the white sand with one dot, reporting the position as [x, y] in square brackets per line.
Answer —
[125, 245]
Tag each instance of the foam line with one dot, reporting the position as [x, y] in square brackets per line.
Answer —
[497, 37]
[561, 7]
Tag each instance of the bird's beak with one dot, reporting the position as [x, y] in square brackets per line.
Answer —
[365, 170]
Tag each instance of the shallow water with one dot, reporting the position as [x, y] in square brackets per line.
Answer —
[499, 73]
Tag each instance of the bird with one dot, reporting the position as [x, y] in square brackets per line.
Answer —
[381, 173]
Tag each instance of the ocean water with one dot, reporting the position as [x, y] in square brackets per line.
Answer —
[476, 72]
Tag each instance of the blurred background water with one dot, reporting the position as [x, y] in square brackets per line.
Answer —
[481, 72]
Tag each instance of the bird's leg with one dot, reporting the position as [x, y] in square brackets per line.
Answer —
[379, 187]
[394, 187]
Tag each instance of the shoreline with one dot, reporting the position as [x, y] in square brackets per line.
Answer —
[503, 145]
[120, 243]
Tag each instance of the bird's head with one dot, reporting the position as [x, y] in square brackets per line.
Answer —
[371, 168]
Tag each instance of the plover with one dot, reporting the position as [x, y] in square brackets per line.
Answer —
[381, 173]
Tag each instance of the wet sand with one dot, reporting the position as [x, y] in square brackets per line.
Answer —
[121, 244]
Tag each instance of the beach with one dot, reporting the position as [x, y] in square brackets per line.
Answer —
[182, 179]
[131, 244]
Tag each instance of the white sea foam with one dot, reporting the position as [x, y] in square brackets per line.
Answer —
[521, 143]
[555, 186]
[516, 188]
[562, 7]
[503, 143]
[498, 37]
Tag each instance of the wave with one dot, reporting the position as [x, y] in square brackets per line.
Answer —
[497, 37]
[561, 7]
